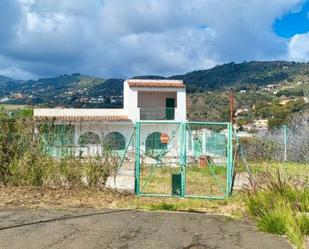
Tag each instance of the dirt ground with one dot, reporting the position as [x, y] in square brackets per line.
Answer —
[112, 228]
[63, 198]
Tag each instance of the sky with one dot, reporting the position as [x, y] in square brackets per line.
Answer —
[124, 38]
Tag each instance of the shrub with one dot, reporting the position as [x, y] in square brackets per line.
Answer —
[279, 206]
[25, 161]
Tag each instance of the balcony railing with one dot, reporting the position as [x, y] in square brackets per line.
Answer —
[157, 113]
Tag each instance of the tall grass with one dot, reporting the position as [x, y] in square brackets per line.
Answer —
[279, 205]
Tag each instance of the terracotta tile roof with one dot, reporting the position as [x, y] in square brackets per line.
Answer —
[84, 118]
[156, 83]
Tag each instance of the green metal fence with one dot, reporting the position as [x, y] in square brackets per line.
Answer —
[183, 159]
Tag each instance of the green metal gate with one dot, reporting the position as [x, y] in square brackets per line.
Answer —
[208, 170]
[157, 163]
[184, 159]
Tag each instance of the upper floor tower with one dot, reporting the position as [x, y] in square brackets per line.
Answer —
[155, 99]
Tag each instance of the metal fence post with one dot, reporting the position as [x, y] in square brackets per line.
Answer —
[183, 151]
[229, 160]
[137, 158]
[285, 142]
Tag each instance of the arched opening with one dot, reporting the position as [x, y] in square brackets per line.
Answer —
[153, 142]
[114, 141]
[89, 138]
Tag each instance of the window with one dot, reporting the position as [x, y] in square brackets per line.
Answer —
[89, 138]
[153, 142]
[114, 141]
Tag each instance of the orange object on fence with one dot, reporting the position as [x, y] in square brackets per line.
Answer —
[203, 161]
[164, 138]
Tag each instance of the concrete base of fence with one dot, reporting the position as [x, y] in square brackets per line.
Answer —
[241, 181]
[124, 180]
[120, 183]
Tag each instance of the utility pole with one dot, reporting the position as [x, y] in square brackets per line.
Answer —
[232, 101]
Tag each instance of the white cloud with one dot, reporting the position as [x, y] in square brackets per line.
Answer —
[16, 73]
[122, 38]
[299, 47]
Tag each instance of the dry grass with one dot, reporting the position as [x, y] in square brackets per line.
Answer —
[210, 181]
[43, 197]
[202, 181]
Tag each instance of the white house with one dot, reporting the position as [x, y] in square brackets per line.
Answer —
[89, 132]
[88, 129]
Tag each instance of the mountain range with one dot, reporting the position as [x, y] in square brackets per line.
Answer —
[78, 90]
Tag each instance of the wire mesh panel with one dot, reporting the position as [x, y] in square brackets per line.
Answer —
[208, 162]
[284, 148]
[158, 158]
[190, 159]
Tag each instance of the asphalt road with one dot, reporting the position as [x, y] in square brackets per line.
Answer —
[89, 228]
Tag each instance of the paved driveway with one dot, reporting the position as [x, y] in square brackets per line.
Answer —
[89, 228]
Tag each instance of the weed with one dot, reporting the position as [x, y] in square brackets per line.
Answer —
[164, 206]
[279, 204]
[303, 221]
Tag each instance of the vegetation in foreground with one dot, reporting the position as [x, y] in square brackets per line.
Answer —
[24, 160]
[280, 205]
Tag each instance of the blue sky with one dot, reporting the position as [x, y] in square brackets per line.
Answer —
[293, 22]
[123, 38]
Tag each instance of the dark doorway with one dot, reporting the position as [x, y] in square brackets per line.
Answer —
[170, 109]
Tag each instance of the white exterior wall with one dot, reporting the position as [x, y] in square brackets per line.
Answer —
[181, 109]
[130, 101]
[125, 128]
[102, 129]
[173, 150]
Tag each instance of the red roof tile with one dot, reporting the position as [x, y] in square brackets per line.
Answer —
[156, 83]
[84, 118]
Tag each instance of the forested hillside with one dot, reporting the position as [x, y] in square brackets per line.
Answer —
[246, 75]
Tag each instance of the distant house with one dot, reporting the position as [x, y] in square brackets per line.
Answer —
[256, 125]
[260, 124]
[5, 99]
[285, 101]
[241, 111]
